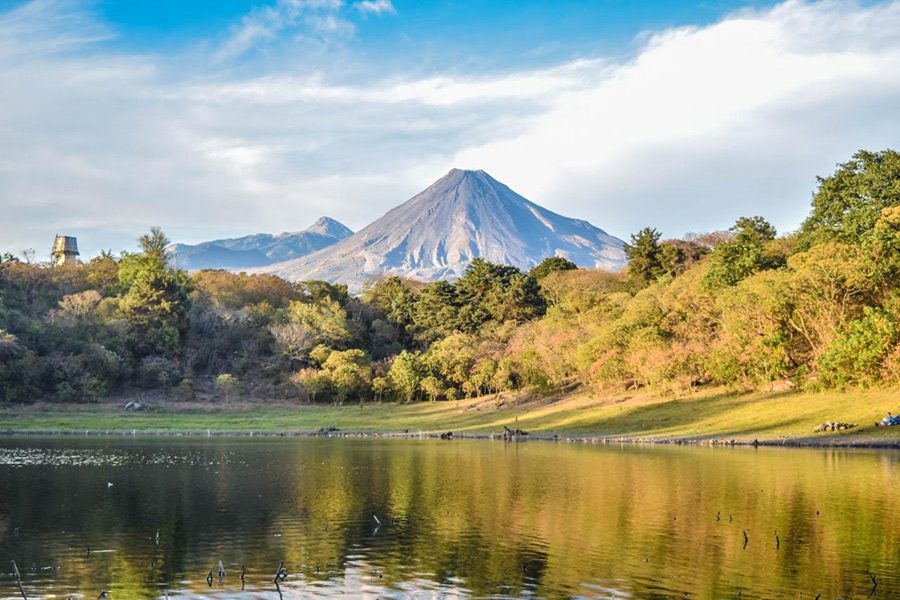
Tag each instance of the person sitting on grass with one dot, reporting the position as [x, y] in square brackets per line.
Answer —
[888, 421]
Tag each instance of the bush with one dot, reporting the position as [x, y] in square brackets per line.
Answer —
[186, 392]
[227, 385]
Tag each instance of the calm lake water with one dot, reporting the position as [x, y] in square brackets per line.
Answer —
[459, 519]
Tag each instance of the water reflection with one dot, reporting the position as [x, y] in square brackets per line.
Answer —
[457, 519]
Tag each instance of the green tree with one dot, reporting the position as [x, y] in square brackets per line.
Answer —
[154, 244]
[754, 229]
[552, 264]
[314, 382]
[405, 374]
[884, 249]
[227, 385]
[350, 372]
[488, 291]
[325, 318]
[436, 311]
[395, 298]
[433, 387]
[644, 257]
[156, 306]
[381, 386]
[847, 204]
[746, 254]
[315, 291]
[857, 353]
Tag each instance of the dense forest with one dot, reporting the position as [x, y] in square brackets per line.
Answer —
[744, 308]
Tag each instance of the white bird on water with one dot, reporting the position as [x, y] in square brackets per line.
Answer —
[109, 484]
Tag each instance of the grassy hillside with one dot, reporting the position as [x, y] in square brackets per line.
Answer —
[762, 416]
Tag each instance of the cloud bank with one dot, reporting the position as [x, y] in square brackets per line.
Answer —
[694, 128]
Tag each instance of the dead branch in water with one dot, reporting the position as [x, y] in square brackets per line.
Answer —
[19, 580]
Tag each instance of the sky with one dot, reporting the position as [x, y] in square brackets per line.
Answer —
[228, 117]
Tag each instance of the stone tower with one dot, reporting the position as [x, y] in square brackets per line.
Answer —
[65, 249]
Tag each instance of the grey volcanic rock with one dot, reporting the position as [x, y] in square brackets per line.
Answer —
[259, 249]
[436, 234]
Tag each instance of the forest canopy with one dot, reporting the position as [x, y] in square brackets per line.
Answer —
[744, 308]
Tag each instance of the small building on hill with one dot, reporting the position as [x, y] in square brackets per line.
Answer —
[65, 251]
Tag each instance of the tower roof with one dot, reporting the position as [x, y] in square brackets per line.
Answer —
[64, 244]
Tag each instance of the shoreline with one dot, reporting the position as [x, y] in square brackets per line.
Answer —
[593, 439]
[713, 417]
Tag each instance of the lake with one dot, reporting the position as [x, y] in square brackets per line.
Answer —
[388, 518]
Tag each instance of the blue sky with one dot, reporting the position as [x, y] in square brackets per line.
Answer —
[489, 33]
[224, 118]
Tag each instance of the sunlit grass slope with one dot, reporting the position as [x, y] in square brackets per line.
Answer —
[762, 416]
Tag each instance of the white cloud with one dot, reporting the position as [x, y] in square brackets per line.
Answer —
[266, 23]
[705, 124]
[376, 7]
[48, 26]
[700, 126]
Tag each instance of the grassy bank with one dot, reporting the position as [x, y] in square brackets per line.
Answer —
[760, 416]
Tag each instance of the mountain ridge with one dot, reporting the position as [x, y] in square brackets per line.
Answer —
[259, 249]
[436, 234]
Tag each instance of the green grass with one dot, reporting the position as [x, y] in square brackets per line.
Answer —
[762, 416]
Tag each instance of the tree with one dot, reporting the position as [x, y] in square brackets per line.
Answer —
[735, 260]
[884, 249]
[227, 384]
[350, 372]
[380, 387]
[405, 375]
[848, 203]
[436, 311]
[315, 291]
[453, 358]
[396, 298]
[552, 264]
[433, 387]
[755, 229]
[156, 306]
[154, 244]
[644, 257]
[80, 306]
[294, 341]
[488, 291]
[325, 318]
[314, 382]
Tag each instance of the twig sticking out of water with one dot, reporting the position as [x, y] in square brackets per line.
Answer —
[243, 572]
[746, 539]
[874, 582]
[209, 579]
[777, 541]
[19, 580]
[103, 594]
[281, 574]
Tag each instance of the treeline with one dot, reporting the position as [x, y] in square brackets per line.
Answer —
[745, 308]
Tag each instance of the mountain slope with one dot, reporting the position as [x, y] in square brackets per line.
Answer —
[464, 215]
[259, 249]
